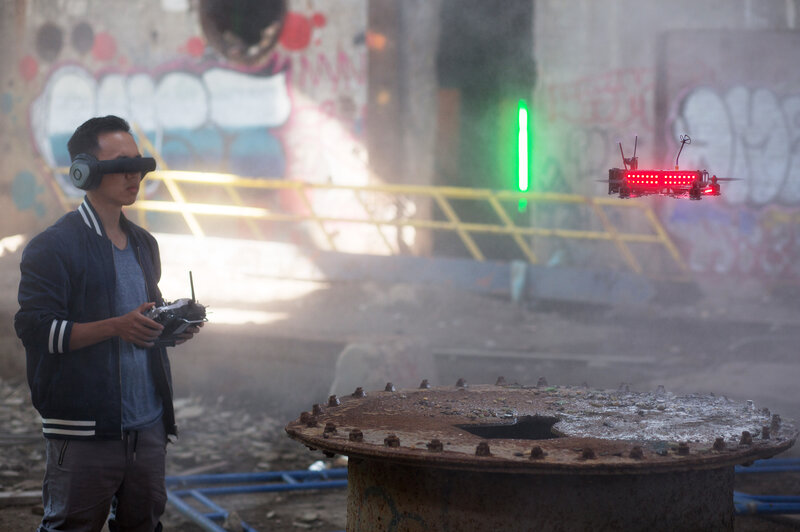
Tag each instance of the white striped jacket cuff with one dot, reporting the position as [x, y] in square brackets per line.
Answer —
[55, 343]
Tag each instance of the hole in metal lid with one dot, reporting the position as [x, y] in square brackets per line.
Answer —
[525, 428]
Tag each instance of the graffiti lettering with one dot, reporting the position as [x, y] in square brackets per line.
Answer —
[615, 99]
[195, 121]
[751, 134]
[312, 72]
[744, 242]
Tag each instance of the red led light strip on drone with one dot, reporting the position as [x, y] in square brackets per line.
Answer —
[661, 178]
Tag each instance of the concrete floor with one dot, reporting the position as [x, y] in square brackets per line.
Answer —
[733, 337]
[743, 346]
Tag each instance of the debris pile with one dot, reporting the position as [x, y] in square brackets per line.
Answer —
[21, 442]
[229, 436]
[222, 435]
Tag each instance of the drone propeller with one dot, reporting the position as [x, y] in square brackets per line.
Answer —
[727, 178]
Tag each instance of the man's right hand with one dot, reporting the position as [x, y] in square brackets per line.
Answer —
[133, 327]
[138, 329]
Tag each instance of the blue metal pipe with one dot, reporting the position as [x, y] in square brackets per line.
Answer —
[767, 469]
[773, 465]
[281, 481]
[263, 488]
[768, 498]
[777, 461]
[257, 477]
[746, 503]
[201, 498]
[193, 515]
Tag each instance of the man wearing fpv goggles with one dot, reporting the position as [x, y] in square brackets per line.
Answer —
[97, 376]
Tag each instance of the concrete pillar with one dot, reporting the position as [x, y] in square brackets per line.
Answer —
[401, 112]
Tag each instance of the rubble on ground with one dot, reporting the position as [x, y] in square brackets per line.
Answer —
[216, 436]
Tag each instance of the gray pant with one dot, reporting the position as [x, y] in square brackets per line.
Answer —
[84, 479]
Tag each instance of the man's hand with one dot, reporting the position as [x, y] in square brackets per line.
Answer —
[133, 327]
[188, 333]
[138, 329]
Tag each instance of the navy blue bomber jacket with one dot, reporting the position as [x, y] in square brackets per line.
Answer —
[67, 277]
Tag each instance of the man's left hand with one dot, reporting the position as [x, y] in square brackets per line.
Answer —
[188, 334]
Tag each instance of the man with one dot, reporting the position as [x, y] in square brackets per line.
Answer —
[101, 384]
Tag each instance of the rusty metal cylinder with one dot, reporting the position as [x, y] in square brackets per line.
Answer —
[386, 496]
[511, 457]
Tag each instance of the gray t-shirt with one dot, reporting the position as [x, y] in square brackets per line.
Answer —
[141, 404]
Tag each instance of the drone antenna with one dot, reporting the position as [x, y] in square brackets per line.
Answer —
[191, 283]
[633, 160]
[684, 140]
[623, 156]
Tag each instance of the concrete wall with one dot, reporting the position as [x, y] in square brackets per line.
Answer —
[296, 114]
[402, 103]
[723, 72]
[607, 70]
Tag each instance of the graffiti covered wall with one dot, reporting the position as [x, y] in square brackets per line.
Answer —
[742, 110]
[719, 72]
[297, 114]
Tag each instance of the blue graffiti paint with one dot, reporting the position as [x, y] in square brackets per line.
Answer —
[249, 152]
[58, 147]
[358, 127]
[697, 212]
[6, 103]
[257, 153]
[252, 152]
[24, 192]
[199, 150]
[748, 221]
[399, 520]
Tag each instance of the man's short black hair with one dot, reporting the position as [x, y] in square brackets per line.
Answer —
[84, 140]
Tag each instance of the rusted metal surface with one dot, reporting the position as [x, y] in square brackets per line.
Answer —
[544, 429]
[388, 496]
[546, 458]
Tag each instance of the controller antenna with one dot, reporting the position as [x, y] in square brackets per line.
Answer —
[191, 283]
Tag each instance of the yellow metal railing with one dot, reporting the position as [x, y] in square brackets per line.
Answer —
[443, 197]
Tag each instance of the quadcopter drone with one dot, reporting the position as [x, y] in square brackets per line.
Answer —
[632, 182]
